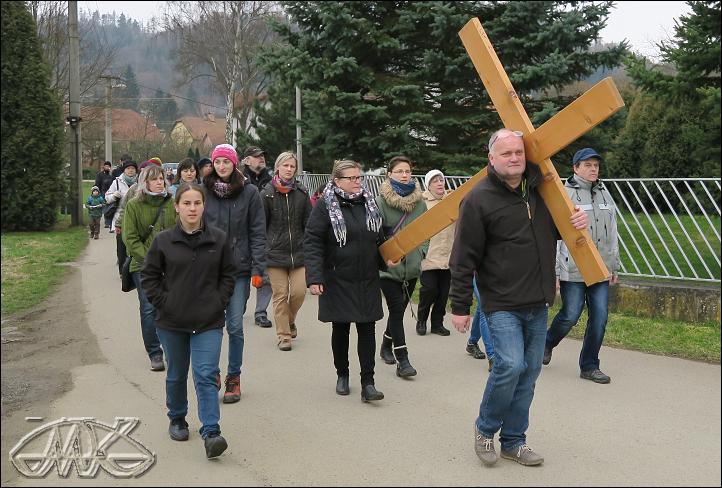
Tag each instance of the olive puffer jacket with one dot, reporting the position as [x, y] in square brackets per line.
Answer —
[393, 207]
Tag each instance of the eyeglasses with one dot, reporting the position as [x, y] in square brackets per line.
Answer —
[353, 179]
[502, 135]
[401, 172]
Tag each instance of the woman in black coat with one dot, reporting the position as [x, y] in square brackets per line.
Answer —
[189, 276]
[342, 267]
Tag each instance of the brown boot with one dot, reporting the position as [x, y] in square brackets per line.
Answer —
[233, 389]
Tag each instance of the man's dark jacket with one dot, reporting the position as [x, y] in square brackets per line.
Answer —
[513, 255]
[259, 180]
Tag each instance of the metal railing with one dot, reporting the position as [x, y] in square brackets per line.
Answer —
[668, 227]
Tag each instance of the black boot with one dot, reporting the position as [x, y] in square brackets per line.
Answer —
[421, 328]
[403, 366]
[385, 351]
[369, 393]
[342, 385]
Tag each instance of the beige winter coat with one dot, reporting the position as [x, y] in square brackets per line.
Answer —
[439, 245]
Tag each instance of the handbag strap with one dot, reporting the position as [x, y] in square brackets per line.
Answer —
[157, 216]
[401, 221]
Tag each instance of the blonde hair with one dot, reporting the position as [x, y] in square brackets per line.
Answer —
[283, 157]
[341, 165]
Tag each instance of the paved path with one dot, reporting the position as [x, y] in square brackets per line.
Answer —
[657, 423]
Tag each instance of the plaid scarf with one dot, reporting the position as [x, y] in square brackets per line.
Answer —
[331, 195]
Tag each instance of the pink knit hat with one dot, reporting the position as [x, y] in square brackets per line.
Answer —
[226, 151]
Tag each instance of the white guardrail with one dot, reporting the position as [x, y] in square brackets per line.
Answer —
[668, 227]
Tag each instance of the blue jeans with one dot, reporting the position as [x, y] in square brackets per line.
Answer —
[518, 338]
[574, 295]
[202, 351]
[147, 320]
[479, 327]
[234, 323]
[263, 297]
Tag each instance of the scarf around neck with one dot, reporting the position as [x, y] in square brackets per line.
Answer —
[282, 185]
[330, 196]
[403, 189]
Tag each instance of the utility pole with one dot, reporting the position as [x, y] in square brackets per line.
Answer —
[108, 119]
[299, 145]
[76, 160]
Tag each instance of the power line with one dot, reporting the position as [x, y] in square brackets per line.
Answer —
[176, 96]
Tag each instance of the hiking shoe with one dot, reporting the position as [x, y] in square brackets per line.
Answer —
[284, 344]
[596, 376]
[474, 350]
[404, 368]
[294, 331]
[233, 389]
[178, 429]
[387, 354]
[262, 321]
[215, 445]
[491, 364]
[440, 330]
[156, 363]
[484, 447]
[523, 455]
[421, 328]
[547, 356]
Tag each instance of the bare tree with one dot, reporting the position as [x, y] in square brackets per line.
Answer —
[223, 38]
[51, 19]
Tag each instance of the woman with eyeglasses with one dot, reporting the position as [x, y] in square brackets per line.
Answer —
[401, 202]
[287, 206]
[187, 173]
[342, 268]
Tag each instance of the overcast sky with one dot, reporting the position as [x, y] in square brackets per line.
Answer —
[643, 24]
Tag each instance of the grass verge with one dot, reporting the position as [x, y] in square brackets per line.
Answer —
[31, 261]
[665, 337]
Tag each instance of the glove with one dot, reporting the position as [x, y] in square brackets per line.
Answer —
[257, 281]
[117, 195]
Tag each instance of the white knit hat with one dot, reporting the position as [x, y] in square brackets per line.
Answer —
[431, 175]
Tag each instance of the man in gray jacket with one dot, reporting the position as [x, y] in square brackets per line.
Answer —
[589, 193]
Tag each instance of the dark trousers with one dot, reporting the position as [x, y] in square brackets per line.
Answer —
[121, 252]
[435, 284]
[366, 349]
[94, 226]
[397, 298]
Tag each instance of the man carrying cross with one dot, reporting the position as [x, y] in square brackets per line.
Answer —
[506, 234]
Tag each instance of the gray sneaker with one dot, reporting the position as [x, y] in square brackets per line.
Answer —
[596, 376]
[484, 447]
[156, 363]
[523, 455]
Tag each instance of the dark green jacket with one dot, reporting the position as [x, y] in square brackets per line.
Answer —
[393, 207]
[139, 215]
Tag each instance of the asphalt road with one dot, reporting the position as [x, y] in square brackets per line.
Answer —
[657, 423]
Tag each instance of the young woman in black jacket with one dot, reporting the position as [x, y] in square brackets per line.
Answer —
[342, 267]
[189, 276]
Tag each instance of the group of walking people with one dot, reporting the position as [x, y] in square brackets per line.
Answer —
[208, 240]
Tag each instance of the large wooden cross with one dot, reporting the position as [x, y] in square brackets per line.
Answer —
[593, 107]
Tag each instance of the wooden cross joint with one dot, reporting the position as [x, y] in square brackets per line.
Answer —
[593, 107]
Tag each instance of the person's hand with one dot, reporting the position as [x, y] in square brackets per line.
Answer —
[118, 230]
[257, 281]
[557, 283]
[461, 322]
[392, 264]
[117, 195]
[579, 219]
[614, 280]
[316, 289]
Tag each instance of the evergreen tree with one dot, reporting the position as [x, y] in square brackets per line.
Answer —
[130, 95]
[677, 121]
[384, 78]
[32, 128]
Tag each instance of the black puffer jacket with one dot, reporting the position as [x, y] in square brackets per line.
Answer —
[349, 274]
[286, 217]
[511, 248]
[189, 279]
